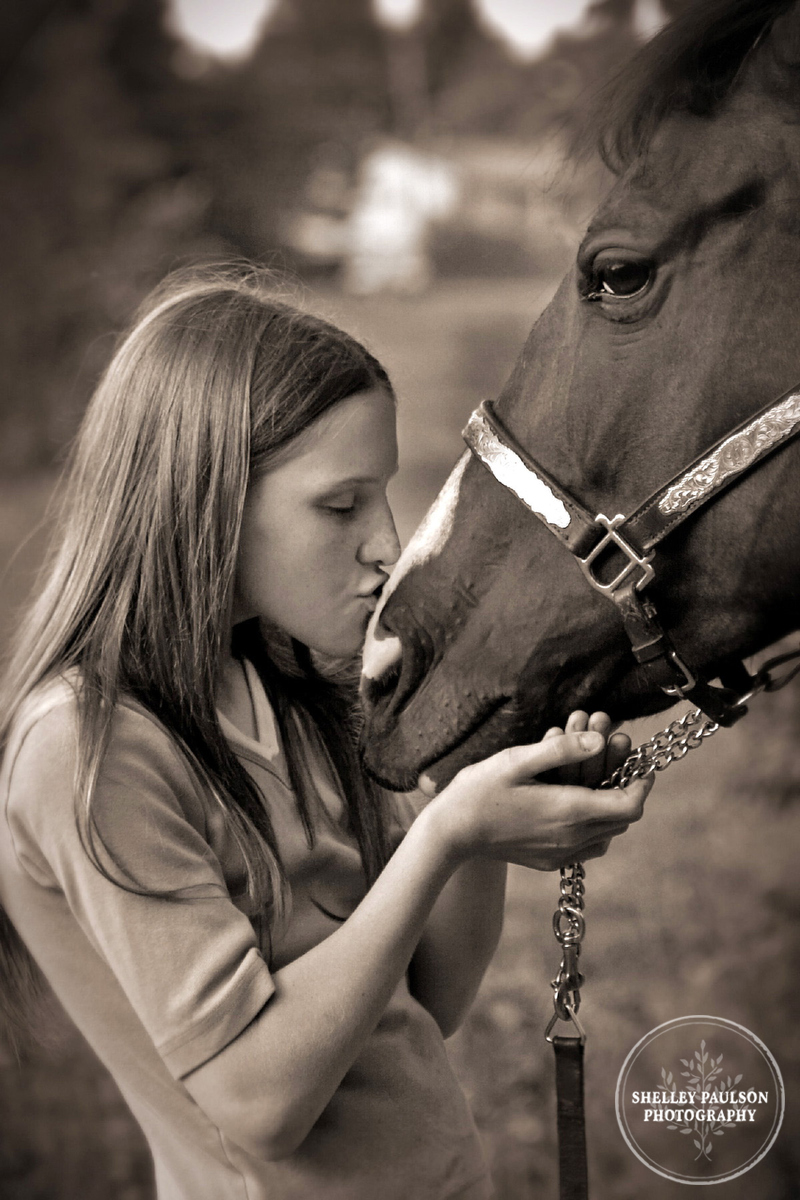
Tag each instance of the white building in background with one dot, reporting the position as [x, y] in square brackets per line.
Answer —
[400, 191]
[381, 227]
[376, 227]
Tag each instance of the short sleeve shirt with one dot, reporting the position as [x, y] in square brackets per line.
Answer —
[160, 965]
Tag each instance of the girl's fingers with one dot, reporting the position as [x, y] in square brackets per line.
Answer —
[595, 850]
[608, 812]
[600, 722]
[553, 731]
[594, 772]
[621, 741]
[426, 785]
[619, 747]
[523, 763]
[577, 722]
[630, 799]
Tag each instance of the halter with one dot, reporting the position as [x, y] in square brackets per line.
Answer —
[592, 540]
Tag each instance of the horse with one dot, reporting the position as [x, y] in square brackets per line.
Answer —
[676, 324]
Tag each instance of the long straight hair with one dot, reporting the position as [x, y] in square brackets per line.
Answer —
[212, 384]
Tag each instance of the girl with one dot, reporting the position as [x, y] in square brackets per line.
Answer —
[264, 949]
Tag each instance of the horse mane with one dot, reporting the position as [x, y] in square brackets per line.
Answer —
[690, 66]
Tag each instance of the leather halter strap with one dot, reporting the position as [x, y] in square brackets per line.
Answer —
[590, 538]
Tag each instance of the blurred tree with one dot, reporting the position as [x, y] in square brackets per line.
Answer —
[453, 35]
[577, 64]
[94, 212]
[318, 77]
[122, 151]
[614, 12]
[476, 84]
[18, 23]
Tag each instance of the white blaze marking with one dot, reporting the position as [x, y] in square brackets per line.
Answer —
[427, 542]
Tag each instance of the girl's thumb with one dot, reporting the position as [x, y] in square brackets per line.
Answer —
[554, 752]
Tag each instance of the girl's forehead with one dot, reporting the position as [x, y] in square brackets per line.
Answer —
[353, 441]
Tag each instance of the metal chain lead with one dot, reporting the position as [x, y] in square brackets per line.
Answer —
[668, 746]
[569, 926]
[671, 744]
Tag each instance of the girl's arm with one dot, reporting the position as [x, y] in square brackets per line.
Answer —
[458, 942]
[464, 927]
[268, 1087]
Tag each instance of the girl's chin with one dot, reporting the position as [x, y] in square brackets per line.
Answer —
[343, 647]
[345, 640]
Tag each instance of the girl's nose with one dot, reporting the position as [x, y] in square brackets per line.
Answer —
[382, 545]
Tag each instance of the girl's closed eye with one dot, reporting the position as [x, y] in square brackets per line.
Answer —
[343, 506]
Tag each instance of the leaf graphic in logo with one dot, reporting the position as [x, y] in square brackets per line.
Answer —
[707, 1069]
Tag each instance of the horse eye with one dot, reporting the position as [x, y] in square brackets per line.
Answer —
[621, 277]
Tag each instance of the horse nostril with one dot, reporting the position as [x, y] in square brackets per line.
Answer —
[392, 678]
[381, 655]
[375, 690]
[380, 668]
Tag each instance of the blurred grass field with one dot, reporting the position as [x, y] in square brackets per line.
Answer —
[695, 910]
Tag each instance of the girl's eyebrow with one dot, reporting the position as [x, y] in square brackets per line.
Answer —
[353, 480]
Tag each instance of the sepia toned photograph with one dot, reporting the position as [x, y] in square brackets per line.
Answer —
[400, 719]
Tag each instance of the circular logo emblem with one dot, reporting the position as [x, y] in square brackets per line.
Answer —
[700, 1100]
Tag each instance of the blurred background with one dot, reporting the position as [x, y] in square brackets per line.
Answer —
[406, 168]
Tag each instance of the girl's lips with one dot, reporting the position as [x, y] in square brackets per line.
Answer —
[371, 597]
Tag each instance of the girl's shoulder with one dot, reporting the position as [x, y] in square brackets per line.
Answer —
[54, 702]
[46, 727]
[48, 723]
[44, 750]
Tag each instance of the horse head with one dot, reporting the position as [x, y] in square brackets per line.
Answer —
[677, 321]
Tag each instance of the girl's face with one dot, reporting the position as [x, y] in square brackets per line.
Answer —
[317, 530]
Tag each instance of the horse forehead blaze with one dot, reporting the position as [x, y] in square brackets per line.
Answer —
[383, 650]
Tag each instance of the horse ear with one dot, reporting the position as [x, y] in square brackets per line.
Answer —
[778, 58]
[785, 36]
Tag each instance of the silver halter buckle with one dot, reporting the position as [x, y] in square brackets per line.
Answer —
[634, 560]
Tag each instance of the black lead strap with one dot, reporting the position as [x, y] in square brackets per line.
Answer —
[573, 1171]
[568, 928]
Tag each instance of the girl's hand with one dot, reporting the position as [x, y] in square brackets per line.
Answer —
[592, 771]
[500, 809]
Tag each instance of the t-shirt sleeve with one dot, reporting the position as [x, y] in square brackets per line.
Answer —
[187, 959]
